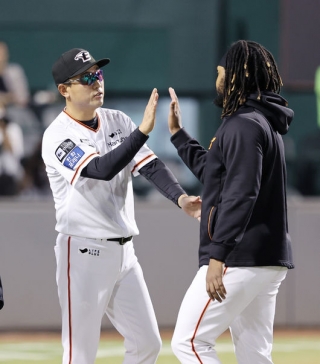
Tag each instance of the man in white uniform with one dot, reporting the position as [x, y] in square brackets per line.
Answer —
[90, 154]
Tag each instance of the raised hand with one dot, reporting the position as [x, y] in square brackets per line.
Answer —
[174, 117]
[149, 117]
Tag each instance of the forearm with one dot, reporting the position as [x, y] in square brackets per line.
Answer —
[110, 164]
[160, 176]
[191, 152]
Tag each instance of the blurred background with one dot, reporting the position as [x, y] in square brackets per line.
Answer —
[165, 43]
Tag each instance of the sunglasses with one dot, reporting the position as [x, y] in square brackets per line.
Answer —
[89, 78]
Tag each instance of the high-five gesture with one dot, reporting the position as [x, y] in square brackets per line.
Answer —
[174, 117]
[149, 117]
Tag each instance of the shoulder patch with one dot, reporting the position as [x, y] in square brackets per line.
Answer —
[73, 157]
[64, 148]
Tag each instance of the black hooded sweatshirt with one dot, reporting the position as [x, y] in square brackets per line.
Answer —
[244, 208]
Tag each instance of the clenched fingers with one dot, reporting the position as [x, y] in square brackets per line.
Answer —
[214, 283]
[216, 291]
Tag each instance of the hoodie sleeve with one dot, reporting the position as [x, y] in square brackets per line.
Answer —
[191, 152]
[242, 145]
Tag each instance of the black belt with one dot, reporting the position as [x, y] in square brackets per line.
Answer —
[121, 241]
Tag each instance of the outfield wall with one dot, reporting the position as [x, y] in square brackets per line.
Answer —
[167, 250]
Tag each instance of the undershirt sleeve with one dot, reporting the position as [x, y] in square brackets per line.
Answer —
[110, 164]
[160, 176]
[156, 172]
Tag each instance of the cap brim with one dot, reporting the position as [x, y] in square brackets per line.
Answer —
[101, 63]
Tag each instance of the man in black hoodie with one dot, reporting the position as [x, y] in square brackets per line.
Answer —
[245, 248]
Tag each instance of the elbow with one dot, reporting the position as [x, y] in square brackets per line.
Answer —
[108, 176]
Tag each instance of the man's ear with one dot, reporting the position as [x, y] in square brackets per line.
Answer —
[63, 89]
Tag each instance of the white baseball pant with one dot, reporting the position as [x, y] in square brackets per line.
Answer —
[248, 311]
[108, 280]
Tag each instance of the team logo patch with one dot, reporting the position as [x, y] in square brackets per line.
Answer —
[64, 148]
[83, 55]
[89, 251]
[73, 157]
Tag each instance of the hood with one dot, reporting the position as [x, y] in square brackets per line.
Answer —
[274, 108]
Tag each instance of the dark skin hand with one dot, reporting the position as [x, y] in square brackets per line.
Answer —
[214, 284]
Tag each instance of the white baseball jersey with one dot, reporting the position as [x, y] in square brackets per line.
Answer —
[88, 207]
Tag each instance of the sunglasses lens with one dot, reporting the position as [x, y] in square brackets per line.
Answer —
[90, 78]
[99, 73]
[87, 79]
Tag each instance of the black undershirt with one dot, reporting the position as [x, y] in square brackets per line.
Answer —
[93, 123]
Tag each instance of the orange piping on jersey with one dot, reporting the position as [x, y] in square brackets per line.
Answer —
[141, 162]
[77, 171]
[195, 331]
[69, 303]
[212, 208]
[79, 122]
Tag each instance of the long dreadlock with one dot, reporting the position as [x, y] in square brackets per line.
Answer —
[249, 68]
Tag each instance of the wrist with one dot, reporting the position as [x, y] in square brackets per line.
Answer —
[144, 130]
[181, 197]
[175, 130]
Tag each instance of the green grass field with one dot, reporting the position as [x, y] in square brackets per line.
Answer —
[289, 348]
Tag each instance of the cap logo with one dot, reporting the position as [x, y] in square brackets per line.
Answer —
[84, 56]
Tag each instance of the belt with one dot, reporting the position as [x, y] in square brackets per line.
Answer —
[121, 241]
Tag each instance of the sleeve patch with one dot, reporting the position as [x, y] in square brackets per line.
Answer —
[73, 157]
[64, 148]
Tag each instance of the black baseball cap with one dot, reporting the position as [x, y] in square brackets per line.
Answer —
[74, 62]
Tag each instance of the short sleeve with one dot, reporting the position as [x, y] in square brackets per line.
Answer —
[66, 154]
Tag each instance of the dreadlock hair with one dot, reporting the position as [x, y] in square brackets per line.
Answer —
[250, 68]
